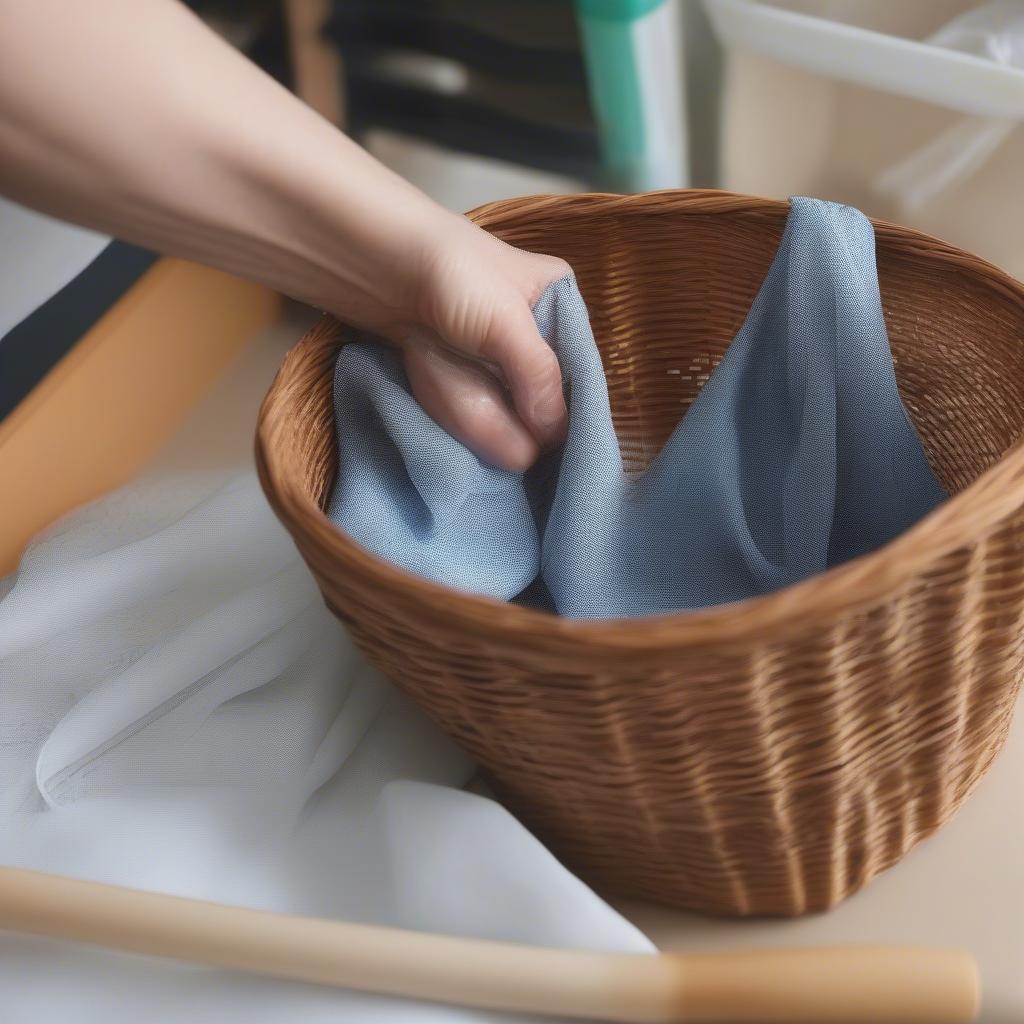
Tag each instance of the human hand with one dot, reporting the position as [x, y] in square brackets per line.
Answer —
[475, 359]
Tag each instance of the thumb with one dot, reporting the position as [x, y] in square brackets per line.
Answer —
[530, 370]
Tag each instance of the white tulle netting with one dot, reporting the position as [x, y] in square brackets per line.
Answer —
[179, 712]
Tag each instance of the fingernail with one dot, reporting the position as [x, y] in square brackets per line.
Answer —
[549, 418]
[518, 457]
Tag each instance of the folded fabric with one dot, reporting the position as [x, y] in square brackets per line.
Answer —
[797, 455]
[179, 712]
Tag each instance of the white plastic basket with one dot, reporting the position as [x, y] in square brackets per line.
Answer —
[852, 100]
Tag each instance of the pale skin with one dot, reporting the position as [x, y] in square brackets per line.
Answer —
[133, 118]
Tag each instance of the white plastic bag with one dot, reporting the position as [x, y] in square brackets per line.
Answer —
[994, 31]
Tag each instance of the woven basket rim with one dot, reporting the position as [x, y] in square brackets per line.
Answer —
[856, 584]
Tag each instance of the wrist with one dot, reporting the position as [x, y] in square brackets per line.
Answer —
[351, 235]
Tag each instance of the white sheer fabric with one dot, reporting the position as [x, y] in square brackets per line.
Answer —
[179, 712]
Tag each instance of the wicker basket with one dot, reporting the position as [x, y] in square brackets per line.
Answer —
[766, 757]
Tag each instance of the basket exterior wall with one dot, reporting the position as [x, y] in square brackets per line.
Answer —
[775, 772]
[774, 779]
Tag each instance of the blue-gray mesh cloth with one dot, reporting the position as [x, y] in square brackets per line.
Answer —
[796, 455]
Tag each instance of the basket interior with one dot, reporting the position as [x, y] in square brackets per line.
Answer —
[668, 291]
[667, 294]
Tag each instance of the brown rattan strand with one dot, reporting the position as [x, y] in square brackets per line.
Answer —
[769, 756]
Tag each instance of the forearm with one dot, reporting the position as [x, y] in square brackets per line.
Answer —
[103, 121]
[131, 117]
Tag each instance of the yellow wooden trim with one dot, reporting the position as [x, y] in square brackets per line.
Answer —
[111, 402]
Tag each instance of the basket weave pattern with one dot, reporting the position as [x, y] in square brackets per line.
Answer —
[765, 757]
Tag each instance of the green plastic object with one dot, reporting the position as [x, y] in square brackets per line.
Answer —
[616, 10]
[613, 43]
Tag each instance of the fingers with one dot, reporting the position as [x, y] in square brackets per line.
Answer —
[531, 372]
[470, 404]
